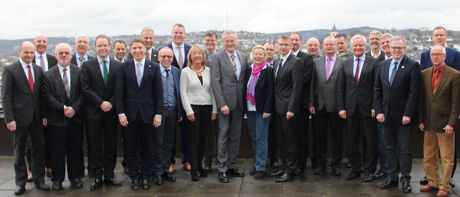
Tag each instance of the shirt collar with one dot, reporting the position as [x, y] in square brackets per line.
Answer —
[362, 57]
[295, 52]
[61, 68]
[100, 59]
[285, 56]
[38, 54]
[334, 57]
[175, 46]
[24, 64]
[141, 62]
[85, 57]
[230, 54]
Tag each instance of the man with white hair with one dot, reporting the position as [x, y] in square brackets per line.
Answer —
[376, 49]
[81, 51]
[64, 103]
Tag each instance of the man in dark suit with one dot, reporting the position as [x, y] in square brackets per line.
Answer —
[139, 98]
[396, 93]
[288, 90]
[354, 103]
[119, 51]
[63, 100]
[21, 83]
[438, 116]
[81, 51]
[302, 132]
[439, 37]
[180, 50]
[376, 49]
[323, 106]
[98, 80]
[228, 69]
[172, 112]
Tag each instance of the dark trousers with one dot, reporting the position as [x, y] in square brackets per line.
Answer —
[139, 139]
[368, 126]
[65, 142]
[328, 120]
[198, 129]
[102, 138]
[398, 148]
[382, 156]
[37, 139]
[272, 143]
[210, 144]
[287, 142]
[166, 133]
[302, 140]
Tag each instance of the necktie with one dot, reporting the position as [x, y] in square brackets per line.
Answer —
[66, 82]
[328, 68]
[234, 63]
[105, 71]
[139, 73]
[181, 58]
[393, 72]
[30, 78]
[167, 73]
[357, 70]
[436, 80]
[81, 60]
[147, 55]
[279, 67]
[42, 63]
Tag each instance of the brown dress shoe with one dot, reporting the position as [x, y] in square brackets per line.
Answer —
[186, 166]
[427, 188]
[442, 192]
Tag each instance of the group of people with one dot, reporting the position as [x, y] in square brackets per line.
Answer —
[51, 102]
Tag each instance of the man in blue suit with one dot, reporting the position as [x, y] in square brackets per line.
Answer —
[180, 52]
[172, 111]
[139, 101]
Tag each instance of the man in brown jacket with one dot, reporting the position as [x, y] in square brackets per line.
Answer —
[438, 113]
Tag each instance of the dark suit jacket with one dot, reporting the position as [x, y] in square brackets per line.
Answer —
[19, 103]
[323, 91]
[146, 99]
[354, 96]
[94, 88]
[176, 76]
[153, 56]
[452, 59]
[443, 107]
[401, 98]
[54, 96]
[263, 91]
[307, 63]
[74, 59]
[288, 85]
[52, 61]
[186, 49]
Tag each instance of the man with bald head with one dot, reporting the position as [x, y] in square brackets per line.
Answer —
[81, 51]
[64, 103]
[354, 104]
[313, 46]
[22, 109]
[42, 59]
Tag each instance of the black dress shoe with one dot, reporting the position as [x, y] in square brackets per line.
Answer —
[380, 174]
[285, 177]
[235, 172]
[56, 186]
[19, 190]
[353, 175]
[423, 181]
[321, 170]
[112, 182]
[336, 171]
[76, 184]
[158, 180]
[406, 187]
[195, 178]
[42, 186]
[145, 184]
[299, 172]
[389, 183]
[368, 177]
[135, 184]
[223, 178]
[170, 177]
[97, 183]
[259, 175]
[208, 169]
[277, 173]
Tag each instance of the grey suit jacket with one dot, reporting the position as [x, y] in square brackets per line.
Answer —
[228, 90]
[322, 90]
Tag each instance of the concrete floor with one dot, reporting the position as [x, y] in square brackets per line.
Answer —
[309, 185]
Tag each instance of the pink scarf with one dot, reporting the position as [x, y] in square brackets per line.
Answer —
[251, 88]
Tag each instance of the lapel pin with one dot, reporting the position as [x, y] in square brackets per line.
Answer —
[150, 65]
[402, 67]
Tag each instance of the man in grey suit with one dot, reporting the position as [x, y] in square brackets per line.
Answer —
[288, 91]
[228, 68]
[323, 107]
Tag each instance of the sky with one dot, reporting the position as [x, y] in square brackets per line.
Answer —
[27, 18]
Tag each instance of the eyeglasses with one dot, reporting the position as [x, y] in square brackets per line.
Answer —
[166, 56]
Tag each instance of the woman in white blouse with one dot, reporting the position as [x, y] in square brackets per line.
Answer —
[199, 105]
